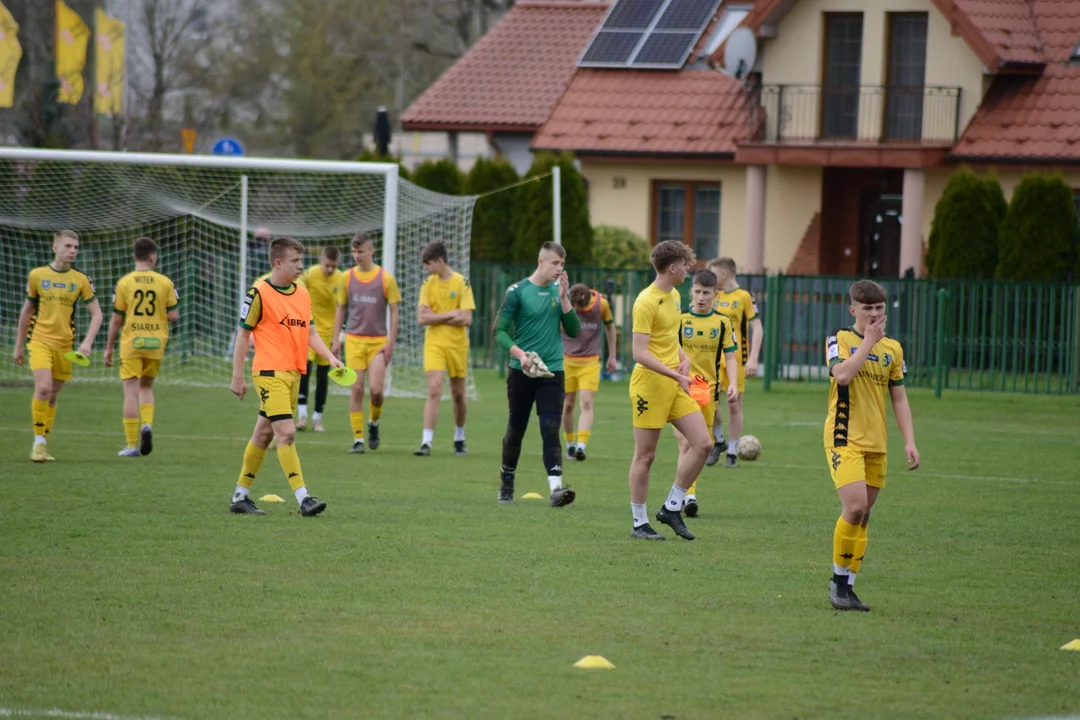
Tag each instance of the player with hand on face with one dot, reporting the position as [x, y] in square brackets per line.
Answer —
[47, 325]
[277, 313]
[866, 369]
[528, 328]
[581, 362]
[143, 305]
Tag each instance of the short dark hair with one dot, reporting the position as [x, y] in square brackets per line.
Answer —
[579, 294]
[143, 248]
[434, 251]
[706, 278]
[668, 252]
[282, 245]
[555, 248]
[361, 239]
[868, 292]
[331, 253]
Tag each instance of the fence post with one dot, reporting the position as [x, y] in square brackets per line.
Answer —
[939, 342]
[1074, 385]
[772, 328]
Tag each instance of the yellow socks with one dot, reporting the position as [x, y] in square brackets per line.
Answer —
[357, 421]
[376, 413]
[290, 463]
[692, 490]
[50, 420]
[253, 459]
[845, 536]
[570, 437]
[583, 437]
[146, 412]
[860, 549]
[131, 431]
[39, 413]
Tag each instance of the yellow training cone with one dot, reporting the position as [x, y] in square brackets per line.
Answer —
[1074, 645]
[594, 662]
[532, 496]
[271, 498]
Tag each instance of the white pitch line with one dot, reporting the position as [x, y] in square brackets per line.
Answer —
[74, 715]
[532, 453]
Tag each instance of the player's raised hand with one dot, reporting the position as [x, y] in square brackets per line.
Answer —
[912, 453]
[564, 285]
[17, 356]
[875, 330]
[239, 387]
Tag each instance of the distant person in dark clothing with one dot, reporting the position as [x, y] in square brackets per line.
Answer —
[258, 254]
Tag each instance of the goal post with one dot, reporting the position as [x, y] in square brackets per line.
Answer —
[203, 211]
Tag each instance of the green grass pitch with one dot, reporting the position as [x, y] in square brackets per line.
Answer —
[126, 588]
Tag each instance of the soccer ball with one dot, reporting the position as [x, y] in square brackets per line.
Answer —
[749, 448]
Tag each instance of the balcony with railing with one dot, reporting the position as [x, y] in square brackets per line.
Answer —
[867, 115]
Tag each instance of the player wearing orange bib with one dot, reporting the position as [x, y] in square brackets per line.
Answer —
[144, 304]
[866, 368]
[47, 322]
[277, 313]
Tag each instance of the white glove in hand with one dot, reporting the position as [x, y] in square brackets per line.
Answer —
[538, 368]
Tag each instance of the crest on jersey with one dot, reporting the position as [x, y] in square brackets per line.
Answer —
[734, 304]
[72, 287]
[886, 360]
[713, 333]
[553, 301]
[453, 293]
[46, 284]
[688, 331]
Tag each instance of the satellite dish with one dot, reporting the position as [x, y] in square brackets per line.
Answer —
[740, 53]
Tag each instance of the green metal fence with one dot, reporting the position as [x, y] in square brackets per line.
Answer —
[970, 335]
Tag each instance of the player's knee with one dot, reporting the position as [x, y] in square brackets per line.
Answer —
[458, 394]
[377, 398]
[434, 391]
[702, 446]
[586, 404]
[550, 424]
[285, 437]
[644, 457]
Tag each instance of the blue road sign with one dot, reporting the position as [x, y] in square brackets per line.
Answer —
[228, 146]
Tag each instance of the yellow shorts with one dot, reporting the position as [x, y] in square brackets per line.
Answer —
[581, 374]
[360, 353]
[848, 465]
[139, 367]
[657, 400]
[43, 357]
[278, 392]
[454, 361]
[317, 359]
[740, 382]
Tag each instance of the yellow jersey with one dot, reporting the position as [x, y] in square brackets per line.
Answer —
[324, 291]
[856, 416]
[657, 314]
[739, 306]
[144, 297]
[705, 339]
[443, 296]
[54, 295]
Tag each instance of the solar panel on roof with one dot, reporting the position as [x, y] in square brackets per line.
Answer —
[649, 33]
[665, 49]
[686, 15]
[611, 48]
[632, 14]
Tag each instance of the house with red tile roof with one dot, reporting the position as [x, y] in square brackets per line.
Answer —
[831, 153]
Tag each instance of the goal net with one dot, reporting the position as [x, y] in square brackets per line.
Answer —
[204, 212]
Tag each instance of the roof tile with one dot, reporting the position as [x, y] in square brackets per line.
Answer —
[649, 111]
[515, 74]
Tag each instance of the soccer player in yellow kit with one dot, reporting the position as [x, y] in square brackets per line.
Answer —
[143, 305]
[323, 283]
[739, 306]
[581, 364]
[366, 292]
[660, 392]
[445, 309]
[866, 368]
[708, 341]
[47, 325]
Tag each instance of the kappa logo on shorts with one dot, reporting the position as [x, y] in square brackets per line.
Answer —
[642, 404]
[835, 460]
[264, 395]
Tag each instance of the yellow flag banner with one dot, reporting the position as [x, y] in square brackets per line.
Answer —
[72, 37]
[109, 62]
[10, 55]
